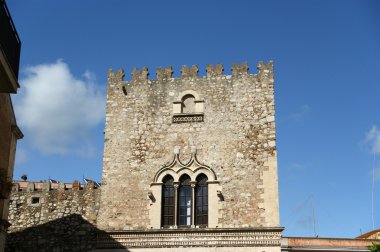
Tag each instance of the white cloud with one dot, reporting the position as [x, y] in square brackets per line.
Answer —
[298, 166]
[373, 139]
[58, 110]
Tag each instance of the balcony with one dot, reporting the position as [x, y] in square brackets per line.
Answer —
[10, 46]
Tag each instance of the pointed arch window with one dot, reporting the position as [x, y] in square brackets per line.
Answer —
[184, 201]
[201, 201]
[168, 202]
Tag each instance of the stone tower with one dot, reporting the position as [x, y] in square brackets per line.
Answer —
[190, 161]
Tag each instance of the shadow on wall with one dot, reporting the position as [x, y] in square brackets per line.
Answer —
[70, 233]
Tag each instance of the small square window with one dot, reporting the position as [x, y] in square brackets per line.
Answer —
[35, 200]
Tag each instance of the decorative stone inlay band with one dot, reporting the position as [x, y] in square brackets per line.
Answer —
[187, 118]
[190, 238]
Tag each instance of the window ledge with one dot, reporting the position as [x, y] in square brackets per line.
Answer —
[185, 227]
[188, 117]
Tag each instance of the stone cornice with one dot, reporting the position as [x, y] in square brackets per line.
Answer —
[218, 237]
[17, 132]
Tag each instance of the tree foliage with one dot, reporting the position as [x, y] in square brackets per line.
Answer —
[374, 247]
[24, 177]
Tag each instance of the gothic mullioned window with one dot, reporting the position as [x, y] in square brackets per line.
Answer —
[178, 208]
[182, 193]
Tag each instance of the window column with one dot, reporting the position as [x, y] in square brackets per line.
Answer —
[193, 184]
[176, 185]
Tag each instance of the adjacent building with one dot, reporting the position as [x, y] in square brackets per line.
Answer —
[315, 244]
[9, 132]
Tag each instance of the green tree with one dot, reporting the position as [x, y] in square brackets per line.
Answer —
[374, 247]
[24, 177]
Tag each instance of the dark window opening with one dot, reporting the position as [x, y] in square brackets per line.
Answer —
[201, 201]
[168, 201]
[184, 201]
[35, 200]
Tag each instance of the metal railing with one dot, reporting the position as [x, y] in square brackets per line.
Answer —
[9, 41]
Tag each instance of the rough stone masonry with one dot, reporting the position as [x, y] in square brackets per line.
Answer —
[225, 122]
[52, 217]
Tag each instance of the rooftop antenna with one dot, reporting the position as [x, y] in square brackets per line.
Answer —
[313, 210]
[373, 189]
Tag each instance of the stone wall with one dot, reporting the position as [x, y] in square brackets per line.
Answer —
[232, 131]
[52, 217]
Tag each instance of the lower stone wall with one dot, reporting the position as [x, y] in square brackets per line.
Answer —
[70, 233]
[2, 240]
[52, 217]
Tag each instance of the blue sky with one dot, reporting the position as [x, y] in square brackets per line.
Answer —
[327, 83]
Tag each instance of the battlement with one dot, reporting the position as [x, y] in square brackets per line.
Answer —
[30, 186]
[192, 72]
[35, 203]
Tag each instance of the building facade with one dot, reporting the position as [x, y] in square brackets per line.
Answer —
[189, 165]
[315, 244]
[191, 162]
[9, 132]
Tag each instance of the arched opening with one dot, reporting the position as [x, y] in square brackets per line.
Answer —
[188, 104]
[168, 204]
[184, 201]
[201, 201]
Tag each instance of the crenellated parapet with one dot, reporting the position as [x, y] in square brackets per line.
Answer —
[118, 76]
[140, 75]
[189, 72]
[212, 71]
[216, 71]
[164, 73]
[25, 186]
[240, 69]
[265, 68]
